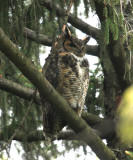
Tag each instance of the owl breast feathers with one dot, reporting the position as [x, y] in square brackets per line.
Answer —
[67, 69]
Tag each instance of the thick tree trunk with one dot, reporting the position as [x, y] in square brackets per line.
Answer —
[116, 80]
[115, 59]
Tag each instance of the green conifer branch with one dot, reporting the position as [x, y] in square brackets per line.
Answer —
[114, 43]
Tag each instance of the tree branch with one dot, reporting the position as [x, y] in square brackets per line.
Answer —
[94, 121]
[51, 95]
[38, 38]
[92, 50]
[101, 125]
[75, 21]
[19, 90]
[63, 135]
[45, 40]
[91, 119]
[28, 94]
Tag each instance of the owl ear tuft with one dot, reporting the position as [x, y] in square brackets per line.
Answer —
[86, 39]
[67, 32]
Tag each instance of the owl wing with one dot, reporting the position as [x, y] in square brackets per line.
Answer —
[52, 122]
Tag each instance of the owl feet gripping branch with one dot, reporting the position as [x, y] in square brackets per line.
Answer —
[67, 69]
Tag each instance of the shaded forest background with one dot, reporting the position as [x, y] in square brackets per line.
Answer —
[31, 24]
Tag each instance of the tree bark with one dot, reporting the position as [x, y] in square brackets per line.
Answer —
[116, 78]
[19, 90]
[38, 38]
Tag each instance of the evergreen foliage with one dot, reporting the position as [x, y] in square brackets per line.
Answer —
[14, 16]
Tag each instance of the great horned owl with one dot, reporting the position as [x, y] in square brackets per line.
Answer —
[67, 69]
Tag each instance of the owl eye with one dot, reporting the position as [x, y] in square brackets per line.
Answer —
[72, 45]
[69, 46]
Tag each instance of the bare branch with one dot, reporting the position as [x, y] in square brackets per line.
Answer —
[28, 94]
[19, 136]
[104, 130]
[39, 38]
[75, 21]
[19, 90]
[91, 119]
[51, 95]
[92, 50]
[45, 40]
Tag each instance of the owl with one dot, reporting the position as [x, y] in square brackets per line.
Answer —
[67, 69]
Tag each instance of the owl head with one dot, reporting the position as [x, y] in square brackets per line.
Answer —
[68, 43]
[73, 44]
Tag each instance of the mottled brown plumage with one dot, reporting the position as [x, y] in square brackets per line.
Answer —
[67, 69]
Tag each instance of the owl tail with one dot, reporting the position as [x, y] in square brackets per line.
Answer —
[47, 132]
[48, 140]
[52, 128]
[58, 125]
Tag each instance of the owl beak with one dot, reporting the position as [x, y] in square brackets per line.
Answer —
[81, 50]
